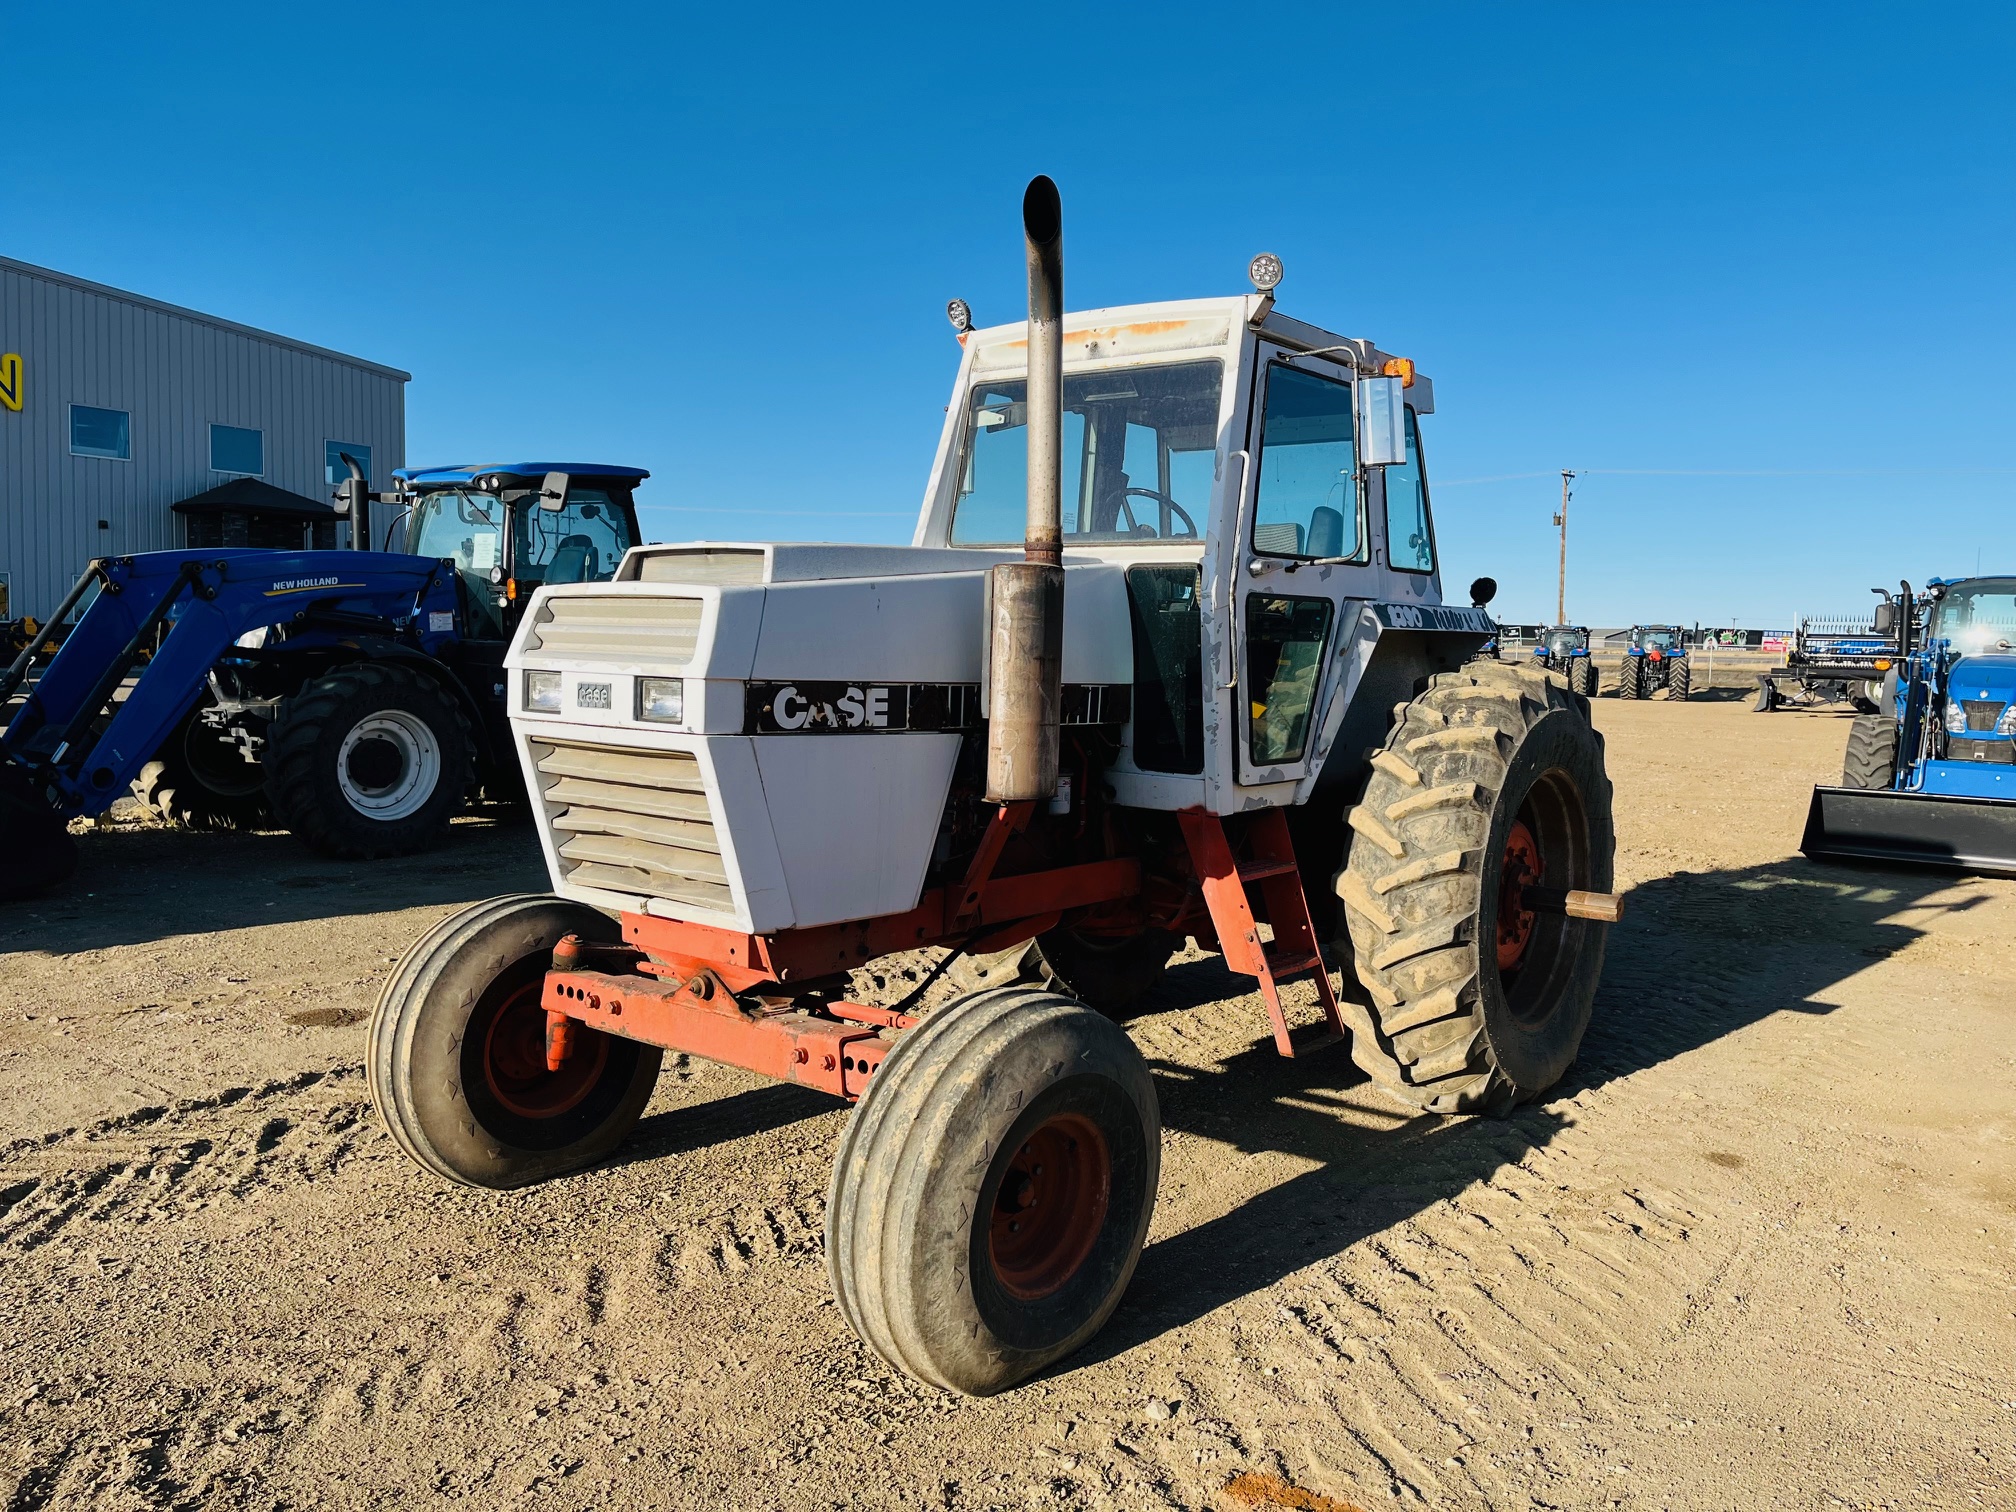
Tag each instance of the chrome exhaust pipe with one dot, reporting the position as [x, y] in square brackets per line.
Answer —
[1025, 653]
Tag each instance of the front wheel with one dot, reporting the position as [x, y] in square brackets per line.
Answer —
[457, 1051]
[1488, 783]
[992, 1192]
[1110, 973]
[1871, 758]
[201, 780]
[369, 760]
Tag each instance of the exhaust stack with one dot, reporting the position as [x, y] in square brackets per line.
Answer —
[1025, 652]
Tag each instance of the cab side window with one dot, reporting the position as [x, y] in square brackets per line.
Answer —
[1410, 536]
[1307, 503]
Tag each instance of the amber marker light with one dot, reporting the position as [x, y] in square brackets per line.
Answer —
[1401, 368]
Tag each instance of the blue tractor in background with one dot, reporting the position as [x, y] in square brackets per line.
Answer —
[1655, 657]
[1931, 779]
[354, 697]
[1565, 649]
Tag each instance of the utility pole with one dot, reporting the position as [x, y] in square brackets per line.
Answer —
[1561, 583]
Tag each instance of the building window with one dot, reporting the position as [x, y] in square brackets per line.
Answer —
[100, 433]
[233, 449]
[333, 456]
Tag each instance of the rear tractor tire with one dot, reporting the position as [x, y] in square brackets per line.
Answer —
[456, 1057]
[992, 1192]
[200, 780]
[1586, 676]
[369, 760]
[1631, 678]
[1871, 758]
[1680, 680]
[1487, 782]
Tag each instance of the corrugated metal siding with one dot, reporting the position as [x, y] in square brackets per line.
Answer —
[175, 374]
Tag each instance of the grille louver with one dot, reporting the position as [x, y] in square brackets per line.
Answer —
[633, 822]
[590, 632]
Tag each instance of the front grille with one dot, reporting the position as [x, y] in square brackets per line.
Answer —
[633, 822]
[653, 632]
[1981, 715]
[2002, 752]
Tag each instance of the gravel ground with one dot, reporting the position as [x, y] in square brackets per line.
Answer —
[1754, 1252]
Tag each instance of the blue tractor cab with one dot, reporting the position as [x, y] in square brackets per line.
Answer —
[1565, 649]
[1655, 657]
[1931, 779]
[353, 697]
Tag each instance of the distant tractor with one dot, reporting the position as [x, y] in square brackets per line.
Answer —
[1932, 779]
[353, 697]
[1168, 649]
[1565, 649]
[1654, 658]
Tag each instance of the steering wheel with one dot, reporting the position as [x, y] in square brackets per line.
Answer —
[1169, 506]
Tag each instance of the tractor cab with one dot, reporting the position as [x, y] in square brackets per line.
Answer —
[1971, 633]
[512, 527]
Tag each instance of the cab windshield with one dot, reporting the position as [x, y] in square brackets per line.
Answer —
[1658, 640]
[1978, 615]
[1140, 448]
[1563, 642]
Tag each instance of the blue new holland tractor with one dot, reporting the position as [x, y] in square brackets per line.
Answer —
[354, 697]
[1655, 658]
[1565, 649]
[1931, 779]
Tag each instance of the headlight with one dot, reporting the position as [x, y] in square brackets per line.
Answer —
[661, 698]
[1956, 717]
[252, 640]
[542, 692]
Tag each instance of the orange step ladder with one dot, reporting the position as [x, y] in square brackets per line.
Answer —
[1269, 864]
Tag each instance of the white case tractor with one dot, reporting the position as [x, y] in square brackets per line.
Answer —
[1166, 658]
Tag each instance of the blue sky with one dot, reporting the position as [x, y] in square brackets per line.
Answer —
[1748, 266]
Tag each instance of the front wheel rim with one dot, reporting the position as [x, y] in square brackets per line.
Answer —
[514, 1059]
[1050, 1207]
[389, 765]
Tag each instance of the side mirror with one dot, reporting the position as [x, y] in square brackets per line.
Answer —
[1886, 617]
[553, 492]
[1382, 422]
[1482, 592]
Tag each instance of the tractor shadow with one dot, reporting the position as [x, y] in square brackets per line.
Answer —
[1699, 956]
[139, 883]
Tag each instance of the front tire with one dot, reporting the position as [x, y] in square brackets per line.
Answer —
[993, 1189]
[456, 1052]
[1871, 758]
[1476, 1003]
[1112, 976]
[369, 760]
[200, 780]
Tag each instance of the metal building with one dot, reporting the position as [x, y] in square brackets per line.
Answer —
[115, 408]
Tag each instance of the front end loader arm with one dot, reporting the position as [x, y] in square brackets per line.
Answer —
[59, 742]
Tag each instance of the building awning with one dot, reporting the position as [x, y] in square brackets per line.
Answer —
[250, 495]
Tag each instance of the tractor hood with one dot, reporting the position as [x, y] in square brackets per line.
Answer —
[1987, 676]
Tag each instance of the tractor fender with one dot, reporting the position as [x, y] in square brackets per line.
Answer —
[1385, 657]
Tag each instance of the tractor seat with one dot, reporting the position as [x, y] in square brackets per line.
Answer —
[574, 561]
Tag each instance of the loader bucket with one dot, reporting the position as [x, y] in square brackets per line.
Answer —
[1917, 829]
[36, 851]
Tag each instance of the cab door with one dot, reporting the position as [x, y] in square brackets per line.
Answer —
[1306, 552]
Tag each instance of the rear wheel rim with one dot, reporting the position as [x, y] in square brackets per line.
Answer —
[389, 765]
[1520, 866]
[1050, 1206]
[514, 1059]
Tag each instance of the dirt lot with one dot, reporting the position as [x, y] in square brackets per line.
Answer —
[1755, 1253]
